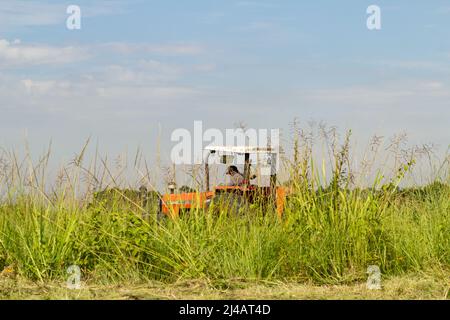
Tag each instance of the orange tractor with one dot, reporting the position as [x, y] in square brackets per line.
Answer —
[230, 198]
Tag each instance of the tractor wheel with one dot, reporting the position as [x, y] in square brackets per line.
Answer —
[230, 203]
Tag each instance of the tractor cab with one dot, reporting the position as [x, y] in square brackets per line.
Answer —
[227, 154]
[175, 203]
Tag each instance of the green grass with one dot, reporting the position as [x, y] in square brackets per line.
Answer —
[329, 235]
[327, 238]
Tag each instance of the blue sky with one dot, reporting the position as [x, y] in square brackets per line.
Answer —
[137, 67]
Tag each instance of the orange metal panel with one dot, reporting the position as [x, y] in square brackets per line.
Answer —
[172, 203]
[281, 200]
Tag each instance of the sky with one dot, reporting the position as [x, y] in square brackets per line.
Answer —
[137, 70]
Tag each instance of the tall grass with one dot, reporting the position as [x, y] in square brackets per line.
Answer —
[331, 231]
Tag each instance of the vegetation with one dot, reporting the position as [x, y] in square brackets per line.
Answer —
[332, 230]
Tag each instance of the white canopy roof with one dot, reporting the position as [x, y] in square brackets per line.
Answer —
[242, 149]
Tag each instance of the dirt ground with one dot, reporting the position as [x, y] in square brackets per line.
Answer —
[415, 287]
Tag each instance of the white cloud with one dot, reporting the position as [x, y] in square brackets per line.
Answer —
[146, 87]
[355, 95]
[151, 95]
[401, 94]
[206, 67]
[13, 54]
[140, 83]
[419, 65]
[16, 54]
[146, 72]
[33, 87]
[79, 103]
[143, 48]
[26, 13]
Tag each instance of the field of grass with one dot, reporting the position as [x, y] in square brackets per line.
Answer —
[329, 235]
[420, 286]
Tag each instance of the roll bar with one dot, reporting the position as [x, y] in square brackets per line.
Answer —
[206, 161]
[273, 176]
